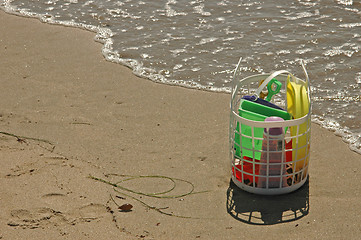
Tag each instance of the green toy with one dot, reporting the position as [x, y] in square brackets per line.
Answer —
[256, 112]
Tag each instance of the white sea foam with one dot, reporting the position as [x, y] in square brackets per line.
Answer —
[350, 25]
[345, 2]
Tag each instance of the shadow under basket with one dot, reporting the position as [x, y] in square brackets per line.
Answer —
[262, 163]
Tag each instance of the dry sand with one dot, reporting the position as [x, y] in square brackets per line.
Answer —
[101, 120]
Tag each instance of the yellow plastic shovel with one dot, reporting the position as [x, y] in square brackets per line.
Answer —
[298, 105]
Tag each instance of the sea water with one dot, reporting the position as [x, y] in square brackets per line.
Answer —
[197, 44]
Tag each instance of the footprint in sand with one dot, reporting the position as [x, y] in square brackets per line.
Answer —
[36, 218]
[66, 204]
[58, 201]
[92, 212]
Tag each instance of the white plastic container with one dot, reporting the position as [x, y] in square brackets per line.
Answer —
[294, 144]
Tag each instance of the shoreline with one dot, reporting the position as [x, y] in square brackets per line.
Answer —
[102, 120]
[102, 36]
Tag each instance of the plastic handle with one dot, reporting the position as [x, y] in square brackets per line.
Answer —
[271, 91]
[268, 79]
[235, 75]
[305, 72]
[265, 82]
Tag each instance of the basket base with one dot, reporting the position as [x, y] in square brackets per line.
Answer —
[270, 191]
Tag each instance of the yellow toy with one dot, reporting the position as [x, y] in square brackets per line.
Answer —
[298, 105]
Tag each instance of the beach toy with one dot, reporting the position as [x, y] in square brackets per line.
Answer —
[272, 170]
[273, 88]
[257, 110]
[258, 169]
[246, 172]
[261, 101]
[298, 106]
[271, 92]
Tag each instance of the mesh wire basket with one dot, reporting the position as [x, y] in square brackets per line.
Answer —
[263, 162]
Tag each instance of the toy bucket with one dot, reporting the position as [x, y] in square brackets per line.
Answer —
[270, 146]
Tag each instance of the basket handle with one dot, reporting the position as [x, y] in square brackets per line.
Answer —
[268, 79]
[305, 72]
[276, 73]
[235, 75]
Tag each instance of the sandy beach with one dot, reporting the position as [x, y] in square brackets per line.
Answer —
[69, 119]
